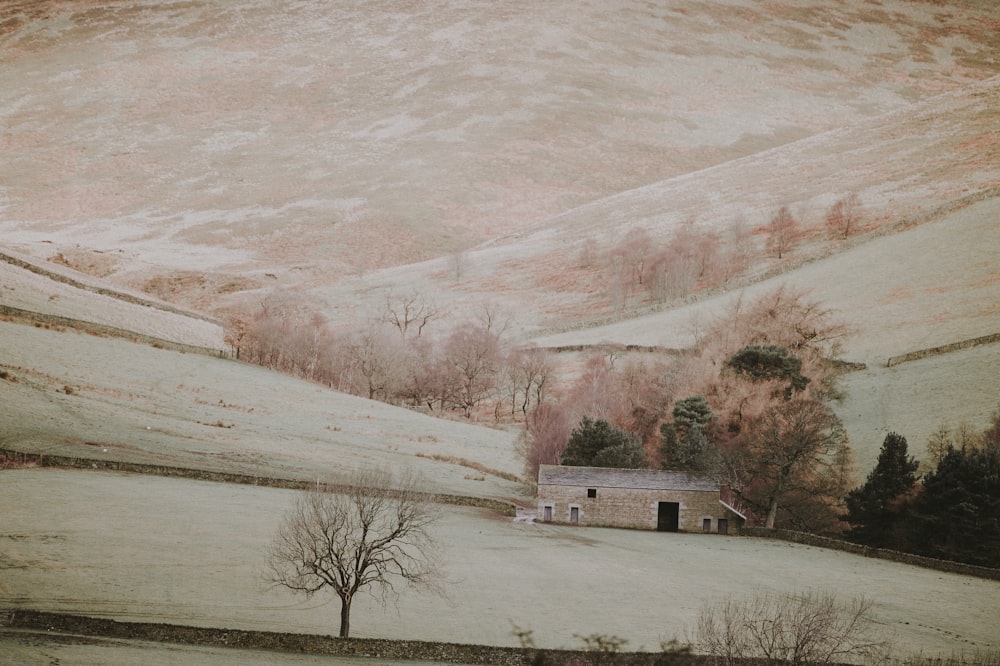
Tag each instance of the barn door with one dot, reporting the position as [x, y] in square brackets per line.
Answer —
[667, 516]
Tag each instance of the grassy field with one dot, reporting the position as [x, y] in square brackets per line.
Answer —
[30, 648]
[135, 403]
[165, 550]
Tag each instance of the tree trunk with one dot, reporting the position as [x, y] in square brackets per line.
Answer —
[345, 616]
[772, 512]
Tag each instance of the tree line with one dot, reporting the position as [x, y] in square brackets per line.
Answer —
[948, 508]
[398, 356]
[640, 266]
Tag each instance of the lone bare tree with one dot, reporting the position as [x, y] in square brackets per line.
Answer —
[367, 535]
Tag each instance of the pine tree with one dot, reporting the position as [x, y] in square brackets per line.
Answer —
[597, 443]
[770, 362]
[876, 508]
[684, 444]
[957, 515]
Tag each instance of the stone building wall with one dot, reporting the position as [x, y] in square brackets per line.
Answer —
[631, 507]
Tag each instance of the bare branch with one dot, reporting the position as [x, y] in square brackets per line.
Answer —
[364, 536]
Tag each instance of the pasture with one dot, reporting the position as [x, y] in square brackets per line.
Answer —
[151, 549]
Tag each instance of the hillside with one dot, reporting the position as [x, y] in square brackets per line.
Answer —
[73, 394]
[211, 146]
[163, 163]
[907, 167]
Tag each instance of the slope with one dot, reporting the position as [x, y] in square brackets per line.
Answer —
[208, 144]
[72, 394]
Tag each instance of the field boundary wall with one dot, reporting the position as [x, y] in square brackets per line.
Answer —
[106, 331]
[867, 551]
[69, 462]
[943, 349]
[327, 645]
[103, 291]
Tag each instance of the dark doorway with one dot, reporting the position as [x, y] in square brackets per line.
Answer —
[723, 526]
[667, 517]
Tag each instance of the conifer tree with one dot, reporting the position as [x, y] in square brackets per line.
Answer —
[957, 515]
[684, 444]
[597, 443]
[770, 362]
[875, 508]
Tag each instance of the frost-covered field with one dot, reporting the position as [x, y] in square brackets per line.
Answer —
[132, 402]
[166, 550]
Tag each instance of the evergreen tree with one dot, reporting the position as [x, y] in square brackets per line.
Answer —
[876, 508]
[597, 443]
[957, 515]
[693, 412]
[770, 362]
[684, 444]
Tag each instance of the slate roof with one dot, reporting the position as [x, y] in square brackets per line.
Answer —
[636, 479]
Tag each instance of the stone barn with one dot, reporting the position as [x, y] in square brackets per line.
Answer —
[667, 501]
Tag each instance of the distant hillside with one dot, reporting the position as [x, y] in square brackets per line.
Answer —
[209, 148]
[38, 291]
[208, 154]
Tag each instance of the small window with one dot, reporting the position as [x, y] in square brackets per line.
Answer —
[591, 492]
[706, 525]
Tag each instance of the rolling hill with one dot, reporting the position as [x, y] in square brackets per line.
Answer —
[162, 163]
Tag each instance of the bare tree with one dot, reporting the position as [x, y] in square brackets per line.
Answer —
[546, 431]
[844, 216]
[473, 356]
[408, 311]
[796, 452]
[365, 536]
[813, 628]
[235, 332]
[493, 319]
[379, 360]
[782, 232]
[531, 371]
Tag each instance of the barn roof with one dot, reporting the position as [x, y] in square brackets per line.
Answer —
[639, 479]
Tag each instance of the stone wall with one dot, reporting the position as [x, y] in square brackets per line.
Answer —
[630, 507]
[397, 650]
[868, 551]
[66, 462]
